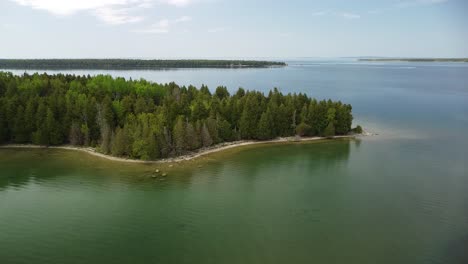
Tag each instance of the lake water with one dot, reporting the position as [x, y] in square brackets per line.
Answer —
[398, 197]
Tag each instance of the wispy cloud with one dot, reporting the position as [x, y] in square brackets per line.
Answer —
[346, 15]
[114, 16]
[319, 13]
[112, 12]
[163, 26]
[177, 2]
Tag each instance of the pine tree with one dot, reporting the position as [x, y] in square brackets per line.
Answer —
[85, 133]
[19, 130]
[41, 135]
[191, 137]
[75, 137]
[265, 129]
[53, 127]
[29, 118]
[249, 118]
[178, 136]
[120, 143]
[225, 132]
[303, 129]
[212, 126]
[329, 130]
[205, 136]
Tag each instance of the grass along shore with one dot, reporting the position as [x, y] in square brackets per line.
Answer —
[186, 157]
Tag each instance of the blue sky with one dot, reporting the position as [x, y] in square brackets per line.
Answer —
[228, 28]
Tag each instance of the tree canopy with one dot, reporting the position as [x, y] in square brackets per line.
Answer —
[145, 120]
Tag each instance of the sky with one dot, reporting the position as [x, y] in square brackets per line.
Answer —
[232, 28]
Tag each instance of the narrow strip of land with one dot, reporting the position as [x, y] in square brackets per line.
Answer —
[415, 59]
[131, 64]
[186, 157]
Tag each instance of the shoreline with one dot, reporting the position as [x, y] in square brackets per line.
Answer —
[186, 157]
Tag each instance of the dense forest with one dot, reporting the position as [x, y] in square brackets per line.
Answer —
[129, 64]
[145, 120]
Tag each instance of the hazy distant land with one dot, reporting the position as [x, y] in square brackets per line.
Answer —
[417, 59]
[131, 64]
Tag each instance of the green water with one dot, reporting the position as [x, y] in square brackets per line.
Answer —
[330, 202]
[399, 197]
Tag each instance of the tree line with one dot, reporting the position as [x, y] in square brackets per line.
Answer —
[121, 64]
[145, 120]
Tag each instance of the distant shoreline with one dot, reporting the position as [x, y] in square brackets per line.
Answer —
[130, 64]
[186, 157]
[415, 59]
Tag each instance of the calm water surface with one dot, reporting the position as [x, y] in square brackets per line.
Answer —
[399, 197]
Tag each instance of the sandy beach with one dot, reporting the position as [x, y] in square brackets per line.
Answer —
[186, 157]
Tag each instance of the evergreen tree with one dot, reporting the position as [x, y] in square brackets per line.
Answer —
[41, 135]
[205, 136]
[265, 128]
[192, 138]
[75, 136]
[329, 130]
[146, 120]
[20, 131]
[120, 143]
[53, 129]
[178, 136]
[303, 129]
[248, 121]
[225, 132]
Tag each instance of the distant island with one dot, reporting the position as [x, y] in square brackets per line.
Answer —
[417, 59]
[131, 64]
[141, 120]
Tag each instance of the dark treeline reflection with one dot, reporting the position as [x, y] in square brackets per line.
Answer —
[313, 156]
[49, 164]
[260, 161]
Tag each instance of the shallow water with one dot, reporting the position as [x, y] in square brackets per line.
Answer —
[399, 197]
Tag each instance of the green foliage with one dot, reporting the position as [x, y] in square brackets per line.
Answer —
[357, 129]
[205, 136]
[221, 92]
[225, 132]
[329, 130]
[178, 136]
[265, 126]
[249, 117]
[120, 143]
[303, 129]
[144, 120]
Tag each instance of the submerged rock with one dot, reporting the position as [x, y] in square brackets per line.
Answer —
[164, 174]
[157, 170]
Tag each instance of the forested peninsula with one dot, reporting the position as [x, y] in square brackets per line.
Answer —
[138, 119]
[131, 64]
